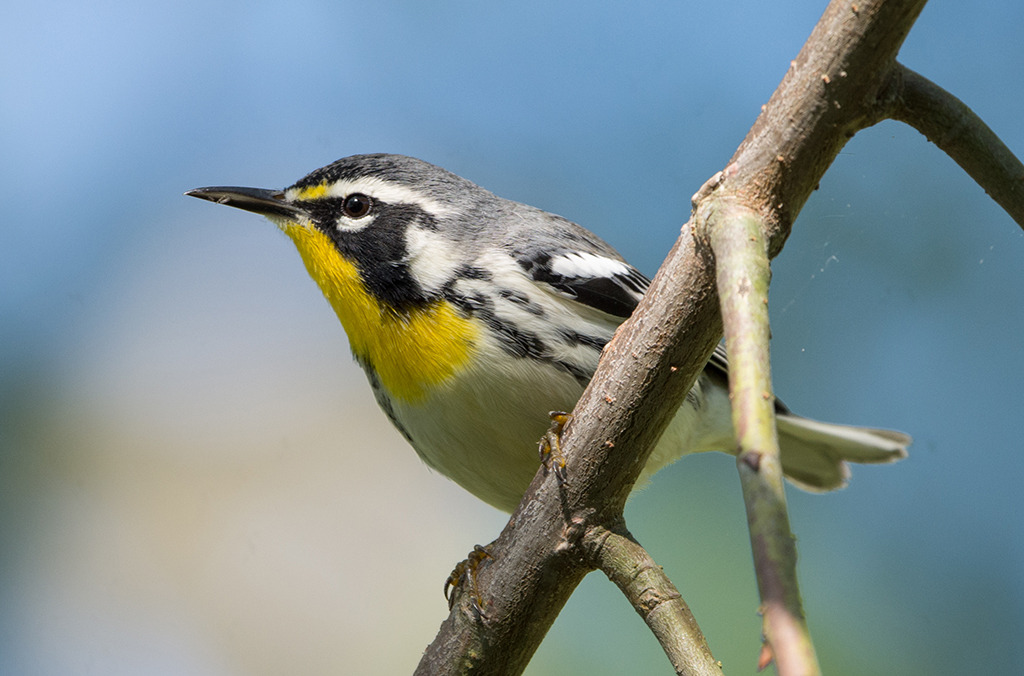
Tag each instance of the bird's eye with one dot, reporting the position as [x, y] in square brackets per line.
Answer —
[356, 205]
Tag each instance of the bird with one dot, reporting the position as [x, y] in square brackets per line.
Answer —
[474, 317]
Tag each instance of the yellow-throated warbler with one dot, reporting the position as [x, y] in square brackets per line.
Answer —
[474, 317]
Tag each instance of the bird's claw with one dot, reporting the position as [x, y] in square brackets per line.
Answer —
[463, 577]
[550, 447]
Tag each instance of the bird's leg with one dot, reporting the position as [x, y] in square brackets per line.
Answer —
[463, 578]
[550, 447]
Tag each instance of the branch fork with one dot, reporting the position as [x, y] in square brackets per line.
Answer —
[845, 78]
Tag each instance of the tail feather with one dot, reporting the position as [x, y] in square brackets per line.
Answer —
[814, 454]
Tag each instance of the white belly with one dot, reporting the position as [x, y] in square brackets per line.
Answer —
[482, 431]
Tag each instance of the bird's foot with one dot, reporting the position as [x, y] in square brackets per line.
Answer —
[463, 579]
[550, 447]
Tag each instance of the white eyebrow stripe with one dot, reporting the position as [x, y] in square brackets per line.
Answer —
[383, 190]
[583, 264]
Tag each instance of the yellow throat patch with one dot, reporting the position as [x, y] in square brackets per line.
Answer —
[410, 352]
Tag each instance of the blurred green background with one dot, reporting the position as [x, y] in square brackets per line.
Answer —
[194, 478]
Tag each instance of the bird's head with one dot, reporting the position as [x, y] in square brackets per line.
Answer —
[397, 220]
[380, 235]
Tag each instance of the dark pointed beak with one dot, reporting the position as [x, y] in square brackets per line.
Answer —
[266, 202]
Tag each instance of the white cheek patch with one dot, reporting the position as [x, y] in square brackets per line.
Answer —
[582, 265]
[431, 258]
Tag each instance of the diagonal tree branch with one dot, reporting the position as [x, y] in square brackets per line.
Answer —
[840, 82]
[538, 560]
[948, 123]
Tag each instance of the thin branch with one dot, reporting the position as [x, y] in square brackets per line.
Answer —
[743, 277]
[841, 82]
[948, 123]
[655, 599]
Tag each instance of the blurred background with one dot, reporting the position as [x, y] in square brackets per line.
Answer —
[194, 478]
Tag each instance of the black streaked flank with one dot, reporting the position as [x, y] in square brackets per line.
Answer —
[574, 338]
[469, 304]
[581, 375]
[472, 272]
[512, 339]
[522, 300]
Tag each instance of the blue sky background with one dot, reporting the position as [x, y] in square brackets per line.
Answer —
[193, 476]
